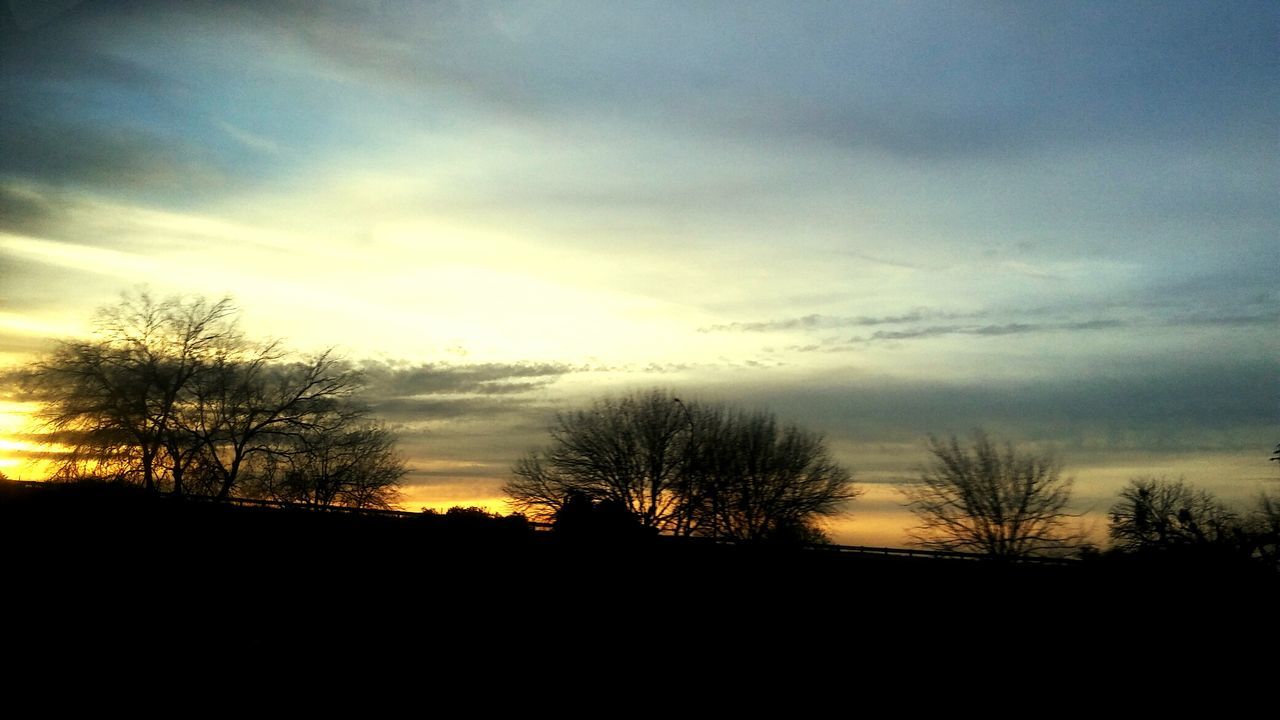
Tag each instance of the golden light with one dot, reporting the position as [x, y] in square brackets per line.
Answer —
[21, 459]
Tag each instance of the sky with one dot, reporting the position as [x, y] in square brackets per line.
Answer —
[881, 221]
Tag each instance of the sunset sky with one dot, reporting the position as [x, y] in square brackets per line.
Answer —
[1056, 221]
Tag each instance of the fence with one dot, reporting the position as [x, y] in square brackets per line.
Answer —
[542, 527]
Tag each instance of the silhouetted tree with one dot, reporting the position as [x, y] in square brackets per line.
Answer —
[1264, 529]
[990, 499]
[583, 519]
[1161, 514]
[349, 464]
[684, 468]
[168, 394]
[250, 404]
[753, 478]
[114, 400]
[629, 449]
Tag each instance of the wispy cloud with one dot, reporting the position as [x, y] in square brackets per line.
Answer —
[1017, 328]
[826, 322]
[916, 329]
[1227, 320]
[388, 380]
[26, 211]
[115, 159]
[250, 140]
[412, 410]
[1014, 328]
[1168, 404]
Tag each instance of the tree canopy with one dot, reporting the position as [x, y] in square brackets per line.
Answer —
[1162, 514]
[686, 468]
[170, 395]
[990, 499]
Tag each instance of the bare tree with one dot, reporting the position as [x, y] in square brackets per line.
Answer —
[1161, 514]
[686, 468]
[352, 464]
[1264, 529]
[989, 499]
[168, 394]
[250, 403]
[114, 400]
[628, 450]
[756, 479]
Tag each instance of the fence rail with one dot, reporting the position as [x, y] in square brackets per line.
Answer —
[938, 554]
[542, 527]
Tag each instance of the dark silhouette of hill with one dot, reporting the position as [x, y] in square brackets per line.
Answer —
[94, 554]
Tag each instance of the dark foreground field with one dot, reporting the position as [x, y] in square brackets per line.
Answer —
[95, 558]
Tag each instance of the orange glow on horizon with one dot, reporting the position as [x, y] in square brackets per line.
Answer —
[16, 454]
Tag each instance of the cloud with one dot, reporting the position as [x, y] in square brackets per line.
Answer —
[72, 52]
[391, 380]
[448, 396]
[823, 322]
[1172, 405]
[1017, 328]
[26, 211]
[118, 158]
[1164, 317]
[915, 330]
[250, 140]
[1014, 328]
[1261, 319]
[410, 410]
[66, 95]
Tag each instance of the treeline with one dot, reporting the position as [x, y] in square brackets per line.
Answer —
[1171, 518]
[1001, 501]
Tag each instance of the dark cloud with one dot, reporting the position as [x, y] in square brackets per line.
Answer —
[998, 80]
[1022, 328]
[448, 391]
[658, 368]
[906, 132]
[993, 330]
[994, 81]
[409, 410]
[923, 332]
[823, 322]
[27, 212]
[912, 334]
[500, 395]
[1007, 329]
[1262, 319]
[387, 380]
[1014, 328]
[115, 158]
[10, 388]
[1126, 405]
[122, 99]
[478, 471]
[1104, 324]
[68, 54]
[63, 100]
